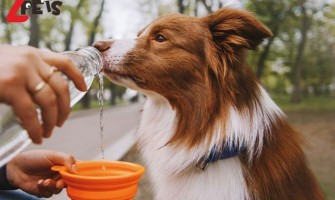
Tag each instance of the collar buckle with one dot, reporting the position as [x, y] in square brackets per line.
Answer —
[216, 154]
[202, 165]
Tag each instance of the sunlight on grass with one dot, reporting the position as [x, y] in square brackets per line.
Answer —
[95, 104]
[316, 104]
[328, 190]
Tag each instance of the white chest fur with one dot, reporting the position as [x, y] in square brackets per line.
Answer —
[171, 168]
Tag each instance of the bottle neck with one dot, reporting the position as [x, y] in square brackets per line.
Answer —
[95, 55]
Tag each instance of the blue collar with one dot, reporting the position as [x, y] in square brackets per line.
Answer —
[219, 153]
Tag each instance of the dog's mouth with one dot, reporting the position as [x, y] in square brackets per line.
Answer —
[118, 74]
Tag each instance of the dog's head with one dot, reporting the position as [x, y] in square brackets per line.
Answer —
[192, 62]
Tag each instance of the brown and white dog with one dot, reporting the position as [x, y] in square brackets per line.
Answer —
[206, 110]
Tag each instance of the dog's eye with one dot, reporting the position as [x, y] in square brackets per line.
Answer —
[160, 38]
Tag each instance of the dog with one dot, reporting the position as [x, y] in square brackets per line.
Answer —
[209, 131]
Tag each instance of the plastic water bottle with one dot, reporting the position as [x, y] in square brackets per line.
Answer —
[13, 138]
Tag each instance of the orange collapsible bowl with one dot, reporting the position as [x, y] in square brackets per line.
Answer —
[103, 180]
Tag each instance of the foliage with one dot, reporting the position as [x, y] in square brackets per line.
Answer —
[275, 62]
[317, 63]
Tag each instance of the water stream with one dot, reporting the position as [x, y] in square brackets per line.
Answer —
[101, 104]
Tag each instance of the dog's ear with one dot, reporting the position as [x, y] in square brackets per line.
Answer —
[232, 28]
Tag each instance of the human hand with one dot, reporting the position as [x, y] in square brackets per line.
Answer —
[31, 172]
[22, 70]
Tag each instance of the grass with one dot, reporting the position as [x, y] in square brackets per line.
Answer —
[315, 105]
[329, 191]
[310, 104]
[94, 104]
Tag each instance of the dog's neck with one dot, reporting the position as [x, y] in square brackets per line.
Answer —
[244, 130]
[272, 149]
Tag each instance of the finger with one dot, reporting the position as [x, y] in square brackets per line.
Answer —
[64, 64]
[58, 158]
[46, 188]
[60, 185]
[47, 101]
[61, 89]
[51, 186]
[25, 110]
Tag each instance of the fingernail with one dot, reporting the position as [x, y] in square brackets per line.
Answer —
[37, 141]
[46, 183]
[60, 124]
[18, 120]
[48, 134]
[74, 168]
[40, 182]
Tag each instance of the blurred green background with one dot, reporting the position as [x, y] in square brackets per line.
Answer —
[296, 65]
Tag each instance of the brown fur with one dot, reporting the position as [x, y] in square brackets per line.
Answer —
[281, 172]
[211, 55]
[200, 68]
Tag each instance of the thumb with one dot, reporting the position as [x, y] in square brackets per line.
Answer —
[67, 160]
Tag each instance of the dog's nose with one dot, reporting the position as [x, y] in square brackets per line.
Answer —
[102, 45]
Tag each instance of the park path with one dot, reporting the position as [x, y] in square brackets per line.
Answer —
[80, 135]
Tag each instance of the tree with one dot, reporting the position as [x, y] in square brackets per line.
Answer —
[91, 33]
[3, 7]
[68, 36]
[318, 70]
[34, 31]
[273, 14]
[191, 7]
[181, 6]
[297, 67]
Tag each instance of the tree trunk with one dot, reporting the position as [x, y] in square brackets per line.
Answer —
[4, 21]
[297, 67]
[86, 100]
[277, 16]
[181, 6]
[34, 31]
[265, 53]
[208, 7]
[68, 37]
[95, 24]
